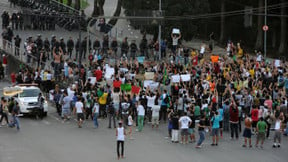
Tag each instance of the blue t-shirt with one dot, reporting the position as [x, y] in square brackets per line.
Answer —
[286, 83]
[216, 120]
[220, 112]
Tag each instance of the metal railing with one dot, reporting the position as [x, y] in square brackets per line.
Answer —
[22, 55]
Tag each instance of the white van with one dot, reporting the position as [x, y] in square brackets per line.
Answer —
[28, 98]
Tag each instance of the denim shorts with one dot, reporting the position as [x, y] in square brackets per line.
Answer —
[215, 131]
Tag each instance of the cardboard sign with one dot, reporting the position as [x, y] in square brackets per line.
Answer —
[149, 75]
[109, 72]
[117, 84]
[175, 78]
[124, 70]
[185, 78]
[148, 82]
[135, 89]
[93, 80]
[277, 63]
[141, 59]
[126, 87]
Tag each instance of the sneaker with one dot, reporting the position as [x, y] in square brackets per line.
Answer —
[250, 146]
[278, 145]
[274, 146]
[243, 145]
[212, 144]
[198, 147]
[216, 144]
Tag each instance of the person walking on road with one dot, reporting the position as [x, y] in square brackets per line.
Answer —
[201, 131]
[15, 118]
[120, 134]
[79, 110]
[95, 113]
[5, 111]
[141, 114]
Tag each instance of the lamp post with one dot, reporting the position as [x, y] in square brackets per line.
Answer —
[88, 35]
[265, 31]
[159, 34]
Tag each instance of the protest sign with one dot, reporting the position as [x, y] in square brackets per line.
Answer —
[175, 78]
[149, 75]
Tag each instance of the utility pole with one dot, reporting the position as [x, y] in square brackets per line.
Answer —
[265, 32]
[159, 34]
[80, 42]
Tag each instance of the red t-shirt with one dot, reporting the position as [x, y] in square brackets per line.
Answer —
[98, 75]
[13, 78]
[254, 114]
[195, 60]
[234, 114]
[5, 60]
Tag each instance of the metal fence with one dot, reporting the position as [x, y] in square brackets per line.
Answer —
[21, 55]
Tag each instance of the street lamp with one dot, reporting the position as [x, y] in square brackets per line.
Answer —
[265, 31]
[159, 34]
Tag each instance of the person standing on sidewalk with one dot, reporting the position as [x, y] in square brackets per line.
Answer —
[120, 134]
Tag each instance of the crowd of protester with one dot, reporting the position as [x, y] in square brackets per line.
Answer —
[221, 93]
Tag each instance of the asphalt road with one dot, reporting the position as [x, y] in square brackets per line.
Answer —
[51, 140]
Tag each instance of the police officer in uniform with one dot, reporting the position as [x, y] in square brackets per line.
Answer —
[70, 46]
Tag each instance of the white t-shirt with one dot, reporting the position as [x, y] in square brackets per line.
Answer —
[202, 49]
[121, 135]
[175, 41]
[185, 120]
[115, 97]
[130, 120]
[79, 106]
[96, 108]
[141, 110]
[155, 110]
[49, 76]
[150, 101]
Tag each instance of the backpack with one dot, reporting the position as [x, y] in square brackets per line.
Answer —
[166, 99]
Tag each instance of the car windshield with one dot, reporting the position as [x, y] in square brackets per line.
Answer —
[30, 93]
